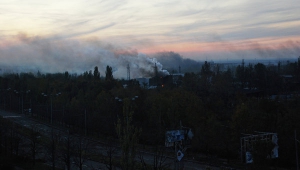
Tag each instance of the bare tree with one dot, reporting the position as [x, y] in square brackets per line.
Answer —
[143, 163]
[65, 151]
[110, 151]
[34, 143]
[16, 141]
[159, 160]
[4, 130]
[81, 151]
[52, 147]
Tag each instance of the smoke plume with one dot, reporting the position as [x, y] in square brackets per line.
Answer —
[173, 61]
[53, 55]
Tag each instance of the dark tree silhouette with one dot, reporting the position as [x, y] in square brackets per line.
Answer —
[109, 74]
[96, 73]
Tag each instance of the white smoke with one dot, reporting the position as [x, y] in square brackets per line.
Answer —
[53, 55]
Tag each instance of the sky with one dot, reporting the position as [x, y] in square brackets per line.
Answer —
[196, 29]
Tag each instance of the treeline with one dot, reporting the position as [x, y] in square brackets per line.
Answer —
[219, 106]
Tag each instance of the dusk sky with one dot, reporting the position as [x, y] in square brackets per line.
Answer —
[197, 29]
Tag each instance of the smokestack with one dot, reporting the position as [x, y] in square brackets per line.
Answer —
[155, 70]
[128, 72]
[243, 63]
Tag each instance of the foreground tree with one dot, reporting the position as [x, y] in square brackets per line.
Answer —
[110, 151]
[52, 147]
[65, 151]
[128, 136]
[34, 138]
[81, 150]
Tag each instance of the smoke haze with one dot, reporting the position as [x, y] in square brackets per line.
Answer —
[23, 53]
[172, 61]
[52, 55]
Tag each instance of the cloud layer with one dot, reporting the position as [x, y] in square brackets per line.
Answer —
[198, 29]
[165, 22]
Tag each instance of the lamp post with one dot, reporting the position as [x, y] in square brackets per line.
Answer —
[297, 165]
[129, 107]
[51, 109]
[4, 96]
[22, 98]
[128, 132]
[9, 97]
[53, 145]
[85, 131]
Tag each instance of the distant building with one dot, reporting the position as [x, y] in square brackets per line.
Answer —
[144, 82]
[176, 78]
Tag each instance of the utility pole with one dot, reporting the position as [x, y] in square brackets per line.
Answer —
[51, 112]
[53, 142]
[296, 150]
[128, 72]
[22, 103]
[51, 108]
[21, 98]
[85, 122]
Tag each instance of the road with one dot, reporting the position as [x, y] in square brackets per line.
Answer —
[97, 147]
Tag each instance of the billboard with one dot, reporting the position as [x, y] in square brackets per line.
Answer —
[275, 149]
[174, 136]
[248, 142]
[249, 158]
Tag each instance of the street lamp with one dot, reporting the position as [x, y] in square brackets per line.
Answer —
[296, 140]
[3, 97]
[127, 109]
[9, 97]
[22, 92]
[120, 100]
[52, 132]
[51, 110]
